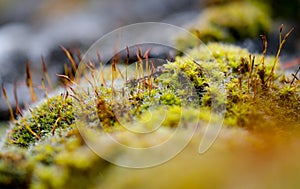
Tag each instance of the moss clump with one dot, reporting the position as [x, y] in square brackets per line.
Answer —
[49, 117]
[60, 161]
[255, 97]
[52, 153]
[73, 164]
[252, 89]
[229, 22]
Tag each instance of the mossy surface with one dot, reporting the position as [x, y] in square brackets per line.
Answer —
[50, 152]
[48, 118]
[250, 102]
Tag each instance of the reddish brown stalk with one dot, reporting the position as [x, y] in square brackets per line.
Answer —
[137, 73]
[153, 67]
[66, 69]
[240, 76]
[67, 95]
[91, 65]
[76, 98]
[55, 125]
[140, 60]
[34, 118]
[65, 77]
[68, 54]
[92, 69]
[9, 138]
[113, 76]
[71, 75]
[101, 68]
[18, 109]
[73, 91]
[31, 131]
[295, 76]
[265, 46]
[146, 56]
[139, 53]
[254, 87]
[45, 70]
[289, 33]
[119, 71]
[250, 80]
[103, 79]
[99, 57]
[64, 98]
[8, 103]
[115, 60]
[29, 83]
[72, 82]
[93, 86]
[78, 54]
[281, 43]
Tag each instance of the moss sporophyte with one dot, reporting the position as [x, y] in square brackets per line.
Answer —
[44, 140]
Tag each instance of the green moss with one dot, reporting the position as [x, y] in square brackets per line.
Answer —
[249, 99]
[187, 82]
[77, 168]
[59, 161]
[56, 156]
[229, 22]
[49, 117]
